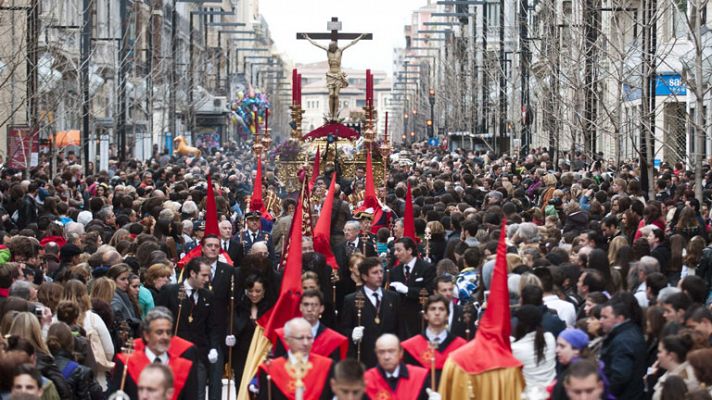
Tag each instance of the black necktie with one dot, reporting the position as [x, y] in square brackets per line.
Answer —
[393, 382]
[254, 237]
[407, 272]
[378, 300]
[225, 245]
[157, 360]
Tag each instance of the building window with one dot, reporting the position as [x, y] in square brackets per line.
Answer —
[679, 20]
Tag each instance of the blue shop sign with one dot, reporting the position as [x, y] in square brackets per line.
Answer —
[670, 85]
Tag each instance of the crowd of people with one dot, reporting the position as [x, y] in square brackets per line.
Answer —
[118, 282]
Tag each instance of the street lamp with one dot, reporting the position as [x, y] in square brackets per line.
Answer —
[431, 122]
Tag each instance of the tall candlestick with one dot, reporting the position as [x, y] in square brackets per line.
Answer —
[299, 89]
[294, 86]
[256, 119]
[368, 86]
[385, 130]
[370, 79]
[266, 118]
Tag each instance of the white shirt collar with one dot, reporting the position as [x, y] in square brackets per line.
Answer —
[394, 374]
[315, 329]
[450, 315]
[369, 292]
[189, 289]
[152, 356]
[440, 336]
[411, 264]
[213, 268]
[292, 357]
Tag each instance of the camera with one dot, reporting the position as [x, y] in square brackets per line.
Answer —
[39, 311]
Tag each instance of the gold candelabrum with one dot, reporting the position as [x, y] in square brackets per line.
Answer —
[369, 134]
[257, 146]
[267, 139]
[385, 150]
[296, 111]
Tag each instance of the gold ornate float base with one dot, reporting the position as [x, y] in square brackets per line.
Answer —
[288, 170]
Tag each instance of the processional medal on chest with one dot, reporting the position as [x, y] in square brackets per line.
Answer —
[298, 371]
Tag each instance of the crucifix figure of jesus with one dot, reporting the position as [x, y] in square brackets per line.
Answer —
[335, 77]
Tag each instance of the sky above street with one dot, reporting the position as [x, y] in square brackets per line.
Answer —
[384, 18]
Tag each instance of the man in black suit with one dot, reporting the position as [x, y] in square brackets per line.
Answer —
[221, 277]
[241, 243]
[226, 235]
[457, 321]
[378, 316]
[343, 252]
[194, 319]
[408, 278]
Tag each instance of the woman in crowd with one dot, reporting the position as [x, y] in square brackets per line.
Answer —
[688, 225]
[79, 378]
[672, 355]
[94, 327]
[122, 306]
[534, 348]
[155, 278]
[25, 325]
[250, 306]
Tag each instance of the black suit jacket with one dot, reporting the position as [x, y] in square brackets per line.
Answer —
[241, 243]
[196, 320]
[421, 276]
[220, 288]
[343, 253]
[389, 322]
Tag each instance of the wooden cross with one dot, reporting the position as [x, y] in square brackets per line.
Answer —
[334, 26]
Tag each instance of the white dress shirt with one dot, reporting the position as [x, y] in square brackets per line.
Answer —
[189, 291]
[152, 356]
[432, 337]
[315, 329]
[394, 374]
[369, 294]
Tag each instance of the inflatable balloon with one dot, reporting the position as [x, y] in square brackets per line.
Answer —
[183, 149]
[244, 106]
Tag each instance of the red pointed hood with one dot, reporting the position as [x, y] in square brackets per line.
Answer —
[256, 202]
[322, 231]
[491, 348]
[369, 198]
[408, 219]
[211, 211]
[287, 306]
